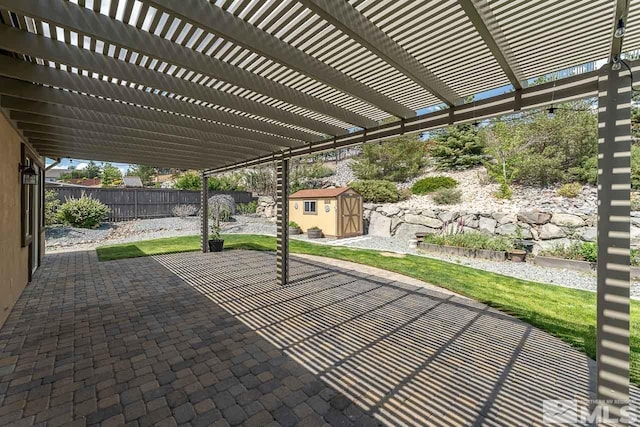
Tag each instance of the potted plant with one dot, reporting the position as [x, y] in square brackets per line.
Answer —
[518, 252]
[314, 233]
[215, 241]
[220, 209]
[294, 228]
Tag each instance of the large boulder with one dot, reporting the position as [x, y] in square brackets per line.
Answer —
[567, 220]
[447, 216]
[534, 217]
[390, 210]
[505, 218]
[405, 231]
[487, 225]
[379, 225]
[423, 220]
[588, 234]
[551, 231]
[507, 230]
[545, 245]
[470, 221]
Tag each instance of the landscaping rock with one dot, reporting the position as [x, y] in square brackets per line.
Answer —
[447, 216]
[505, 218]
[379, 225]
[534, 217]
[406, 232]
[422, 220]
[390, 210]
[507, 230]
[470, 221]
[550, 244]
[551, 231]
[567, 220]
[588, 234]
[487, 225]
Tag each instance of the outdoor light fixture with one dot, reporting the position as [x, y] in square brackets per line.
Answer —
[619, 29]
[28, 174]
[617, 63]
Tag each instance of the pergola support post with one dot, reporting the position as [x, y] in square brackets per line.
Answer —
[282, 233]
[204, 213]
[614, 185]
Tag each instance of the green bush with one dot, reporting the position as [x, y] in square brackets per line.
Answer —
[578, 251]
[225, 183]
[376, 191]
[504, 191]
[85, 212]
[51, 206]
[397, 160]
[457, 147]
[187, 181]
[433, 183]
[570, 190]
[447, 196]
[472, 240]
[247, 208]
[293, 224]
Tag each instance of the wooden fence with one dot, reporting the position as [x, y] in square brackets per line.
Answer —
[139, 203]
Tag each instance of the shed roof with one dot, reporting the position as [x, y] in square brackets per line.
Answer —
[211, 84]
[319, 193]
[132, 181]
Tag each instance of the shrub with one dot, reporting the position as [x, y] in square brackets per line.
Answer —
[51, 206]
[447, 196]
[579, 251]
[396, 160]
[376, 191]
[472, 240]
[187, 181]
[221, 207]
[433, 183]
[504, 191]
[293, 224]
[570, 190]
[85, 212]
[457, 147]
[247, 208]
[183, 211]
[225, 183]
[635, 202]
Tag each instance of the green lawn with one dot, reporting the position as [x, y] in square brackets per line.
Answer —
[569, 314]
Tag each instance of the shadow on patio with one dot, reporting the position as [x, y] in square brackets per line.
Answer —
[137, 341]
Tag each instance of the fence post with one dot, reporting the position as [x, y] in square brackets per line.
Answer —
[135, 203]
[204, 213]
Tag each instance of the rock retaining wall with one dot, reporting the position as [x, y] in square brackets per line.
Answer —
[546, 229]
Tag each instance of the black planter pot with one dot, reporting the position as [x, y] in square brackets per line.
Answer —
[216, 245]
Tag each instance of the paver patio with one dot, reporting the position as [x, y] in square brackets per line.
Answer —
[197, 339]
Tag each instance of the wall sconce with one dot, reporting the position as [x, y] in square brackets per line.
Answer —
[28, 174]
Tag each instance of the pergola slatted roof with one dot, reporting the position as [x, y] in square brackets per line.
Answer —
[237, 82]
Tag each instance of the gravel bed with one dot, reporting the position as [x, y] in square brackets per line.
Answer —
[68, 238]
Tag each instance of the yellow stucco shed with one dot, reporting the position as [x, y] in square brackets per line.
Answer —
[337, 211]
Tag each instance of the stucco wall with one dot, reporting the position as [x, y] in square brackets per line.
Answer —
[13, 259]
[327, 221]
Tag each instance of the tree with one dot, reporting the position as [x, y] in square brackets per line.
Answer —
[396, 160]
[143, 171]
[93, 170]
[111, 175]
[187, 181]
[458, 147]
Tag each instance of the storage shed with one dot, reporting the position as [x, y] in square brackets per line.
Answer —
[337, 211]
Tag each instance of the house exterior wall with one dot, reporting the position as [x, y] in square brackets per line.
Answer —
[14, 259]
[327, 221]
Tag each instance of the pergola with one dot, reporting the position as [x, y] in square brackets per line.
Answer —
[218, 85]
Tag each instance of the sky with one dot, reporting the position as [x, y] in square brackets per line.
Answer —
[78, 164]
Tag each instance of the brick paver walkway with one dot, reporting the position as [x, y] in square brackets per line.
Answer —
[210, 339]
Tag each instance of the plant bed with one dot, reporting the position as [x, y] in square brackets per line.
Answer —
[294, 231]
[575, 265]
[464, 252]
[314, 233]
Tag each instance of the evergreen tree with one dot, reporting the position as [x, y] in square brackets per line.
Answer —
[457, 148]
